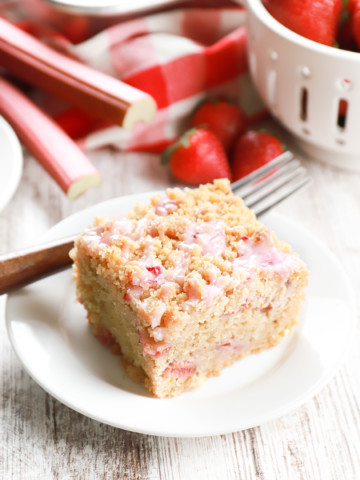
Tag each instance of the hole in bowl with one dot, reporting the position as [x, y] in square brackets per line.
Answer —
[271, 86]
[305, 71]
[304, 100]
[345, 84]
[273, 55]
[252, 62]
[343, 108]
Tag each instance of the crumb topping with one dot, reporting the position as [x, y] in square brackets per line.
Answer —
[186, 249]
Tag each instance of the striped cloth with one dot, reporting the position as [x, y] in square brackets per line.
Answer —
[179, 57]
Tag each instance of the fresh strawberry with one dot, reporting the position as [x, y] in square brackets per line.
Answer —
[252, 150]
[354, 9]
[223, 118]
[198, 157]
[76, 29]
[317, 20]
[78, 124]
[346, 39]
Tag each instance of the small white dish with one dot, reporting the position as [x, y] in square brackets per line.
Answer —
[49, 333]
[11, 163]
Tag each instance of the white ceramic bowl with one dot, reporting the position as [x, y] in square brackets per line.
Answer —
[302, 83]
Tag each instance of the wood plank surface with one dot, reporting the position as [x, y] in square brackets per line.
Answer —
[41, 439]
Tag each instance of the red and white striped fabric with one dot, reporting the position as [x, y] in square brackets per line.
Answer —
[179, 57]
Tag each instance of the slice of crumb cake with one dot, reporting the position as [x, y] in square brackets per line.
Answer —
[187, 284]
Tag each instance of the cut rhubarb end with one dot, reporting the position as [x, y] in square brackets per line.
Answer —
[142, 110]
[80, 186]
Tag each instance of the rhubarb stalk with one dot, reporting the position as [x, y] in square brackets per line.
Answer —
[56, 152]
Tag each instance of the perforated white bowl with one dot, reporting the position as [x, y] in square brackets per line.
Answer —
[302, 83]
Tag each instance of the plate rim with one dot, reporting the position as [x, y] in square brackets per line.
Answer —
[111, 7]
[262, 417]
[17, 162]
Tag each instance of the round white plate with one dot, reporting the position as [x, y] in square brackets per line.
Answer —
[108, 7]
[49, 333]
[11, 163]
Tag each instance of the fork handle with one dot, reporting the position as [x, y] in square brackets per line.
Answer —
[26, 266]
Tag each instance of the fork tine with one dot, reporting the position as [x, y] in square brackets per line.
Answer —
[260, 172]
[261, 191]
[269, 178]
[263, 207]
[273, 186]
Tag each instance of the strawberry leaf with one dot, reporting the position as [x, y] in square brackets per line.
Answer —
[183, 141]
[166, 156]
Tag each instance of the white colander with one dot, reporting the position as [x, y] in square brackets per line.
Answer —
[312, 89]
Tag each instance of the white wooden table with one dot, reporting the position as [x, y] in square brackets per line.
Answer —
[41, 439]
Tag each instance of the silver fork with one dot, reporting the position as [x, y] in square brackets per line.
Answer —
[261, 190]
[268, 186]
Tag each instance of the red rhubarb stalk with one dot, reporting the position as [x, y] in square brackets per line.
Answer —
[56, 152]
[88, 89]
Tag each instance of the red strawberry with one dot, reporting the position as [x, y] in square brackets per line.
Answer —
[198, 157]
[252, 150]
[317, 20]
[77, 29]
[346, 39]
[77, 123]
[354, 9]
[225, 119]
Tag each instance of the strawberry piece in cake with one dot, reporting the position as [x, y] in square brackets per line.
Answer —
[186, 285]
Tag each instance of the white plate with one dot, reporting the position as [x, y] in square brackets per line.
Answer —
[49, 333]
[108, 7]
[11, 162]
